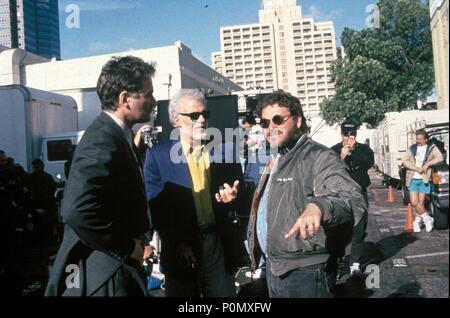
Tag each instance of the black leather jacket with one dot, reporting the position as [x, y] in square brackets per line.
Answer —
[309, 173]
[358, 162]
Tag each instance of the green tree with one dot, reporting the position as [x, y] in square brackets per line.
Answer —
[387, 68]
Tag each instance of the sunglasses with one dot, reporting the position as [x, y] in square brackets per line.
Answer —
[277, 120]
[196, 115]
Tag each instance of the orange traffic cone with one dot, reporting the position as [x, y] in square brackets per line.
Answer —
[408, 228]
[390, 198]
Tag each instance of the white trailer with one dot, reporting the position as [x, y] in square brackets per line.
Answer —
[392, 138]
[36, 124]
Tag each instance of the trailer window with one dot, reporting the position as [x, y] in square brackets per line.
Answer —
[402, 142]
[59, 150]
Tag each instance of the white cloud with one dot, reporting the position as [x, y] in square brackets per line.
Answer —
[98, 46]
[101, 5]
[319, 15]
[127, 41]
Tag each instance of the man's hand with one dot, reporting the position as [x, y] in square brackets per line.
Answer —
[422, 170]
[137, 136]
[308, 224]
[351, 142]
[346, 150]
[138, 252]
[148, 252]
[228, 194]
[185, 255]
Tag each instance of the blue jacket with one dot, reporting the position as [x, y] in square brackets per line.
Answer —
[169, 191]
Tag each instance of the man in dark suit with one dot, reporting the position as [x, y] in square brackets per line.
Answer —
[104, 207]
[192, 194]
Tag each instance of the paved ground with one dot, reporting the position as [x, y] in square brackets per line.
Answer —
[410, 265]
[424, 256]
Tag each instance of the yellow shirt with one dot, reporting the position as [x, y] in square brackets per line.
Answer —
[198, 163]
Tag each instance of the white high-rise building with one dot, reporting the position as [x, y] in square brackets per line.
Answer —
[217, 61]
[283, 51]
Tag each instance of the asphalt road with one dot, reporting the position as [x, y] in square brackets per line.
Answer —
[412, 265]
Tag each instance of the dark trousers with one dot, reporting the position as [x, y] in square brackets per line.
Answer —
[359, 234]
[308, 282]
[211, 279]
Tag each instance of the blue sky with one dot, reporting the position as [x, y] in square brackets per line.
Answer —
[108, 26]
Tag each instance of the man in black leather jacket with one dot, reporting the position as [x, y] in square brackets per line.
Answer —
[305, 200]
[359, 158]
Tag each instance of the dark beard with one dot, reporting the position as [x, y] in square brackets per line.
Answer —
[292, 140]
[288, 145]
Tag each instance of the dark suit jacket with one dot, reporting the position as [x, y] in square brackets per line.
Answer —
[104, 208]
[169, 191]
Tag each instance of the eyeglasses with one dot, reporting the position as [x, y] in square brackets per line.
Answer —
[196, 115]
[277, 120]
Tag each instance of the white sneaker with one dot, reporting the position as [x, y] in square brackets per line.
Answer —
[428, 221]
[417, 224]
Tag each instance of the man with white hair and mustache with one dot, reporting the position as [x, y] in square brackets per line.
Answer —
[304, 200]
[190, 202]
